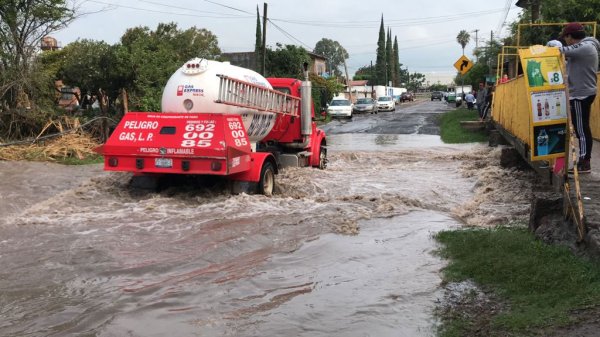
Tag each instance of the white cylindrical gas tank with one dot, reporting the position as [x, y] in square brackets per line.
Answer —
[195, 87]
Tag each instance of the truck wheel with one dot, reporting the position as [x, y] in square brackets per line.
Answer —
[267, 179]
[322, 158]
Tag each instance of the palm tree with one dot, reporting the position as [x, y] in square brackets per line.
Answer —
[463, 39]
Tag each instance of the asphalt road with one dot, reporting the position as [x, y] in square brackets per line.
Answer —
[417, 117]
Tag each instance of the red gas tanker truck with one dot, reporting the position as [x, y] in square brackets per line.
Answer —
[222, 120]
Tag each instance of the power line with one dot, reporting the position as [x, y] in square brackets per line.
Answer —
[429, 43]
[503, 18]
[228, 16]
[290, 36]
[392, 23]
[235, 9]
[176, 7]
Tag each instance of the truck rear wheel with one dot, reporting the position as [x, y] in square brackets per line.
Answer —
[266, 184]
[323, 158]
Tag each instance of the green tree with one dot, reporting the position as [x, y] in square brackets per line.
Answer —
[23, 23]
[487, 58]
[389, 54]
[286, 61]
[87, 64]
[334, 52]
[554, 11]
[463, 39]
[404, 76]
[476, 74]
[570, 10]
[323, 90]
[438, 87]
[146, 59]
[365, 73]
[397, 66]
[380, 63]
[416, 81]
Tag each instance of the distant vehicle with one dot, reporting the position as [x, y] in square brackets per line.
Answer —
[364, 105]
[437, 95]
[407, 96]
[386, 103]
[463, 89]
[451, 97]
[460, 91]
[340, 108]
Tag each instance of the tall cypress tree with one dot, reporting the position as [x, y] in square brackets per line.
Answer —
[381, 58]
[258, 44]
[396, 62]
[389, 57]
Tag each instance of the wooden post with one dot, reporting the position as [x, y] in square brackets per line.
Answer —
[103, 102]
[264, 42]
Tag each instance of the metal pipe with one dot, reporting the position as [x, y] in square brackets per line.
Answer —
[306, 104]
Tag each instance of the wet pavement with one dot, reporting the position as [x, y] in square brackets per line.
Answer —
[590, 194]
[346, 251]
[408, 119]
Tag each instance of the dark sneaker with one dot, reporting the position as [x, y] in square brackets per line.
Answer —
[583, 166]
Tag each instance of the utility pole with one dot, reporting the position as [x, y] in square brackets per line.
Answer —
[372, 80]
[477, 44]
[348, 82]
[491, 44]
[385, 83]
[264, 42]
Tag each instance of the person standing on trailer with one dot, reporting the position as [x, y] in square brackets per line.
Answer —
[581, 53]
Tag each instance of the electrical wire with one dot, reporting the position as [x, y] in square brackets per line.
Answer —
[290, 36]
[507, 8]
[393, 22]
[339, 24]
[177, 7]
[229, 16]
[235, 9]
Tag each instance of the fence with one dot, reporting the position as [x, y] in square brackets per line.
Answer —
[511, 110]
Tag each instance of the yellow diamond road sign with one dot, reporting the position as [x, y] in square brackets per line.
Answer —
[463, 65]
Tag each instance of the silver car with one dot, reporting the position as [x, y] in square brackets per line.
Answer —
[364, 105]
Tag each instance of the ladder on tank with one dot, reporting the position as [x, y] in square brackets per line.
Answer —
[252, 96]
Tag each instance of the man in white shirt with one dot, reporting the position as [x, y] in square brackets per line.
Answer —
[470, 99]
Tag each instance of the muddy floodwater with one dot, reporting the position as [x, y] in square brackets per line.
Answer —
[346, 251]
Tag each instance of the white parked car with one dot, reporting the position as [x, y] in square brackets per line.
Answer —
[386, 103]
[340, 108]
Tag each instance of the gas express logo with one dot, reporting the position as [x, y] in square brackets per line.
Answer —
[189, 89]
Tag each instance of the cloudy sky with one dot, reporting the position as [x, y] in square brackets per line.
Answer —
[426, 29]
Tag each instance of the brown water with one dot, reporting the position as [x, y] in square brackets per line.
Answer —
[342, 252]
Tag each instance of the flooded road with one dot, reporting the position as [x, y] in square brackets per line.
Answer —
[345, 251]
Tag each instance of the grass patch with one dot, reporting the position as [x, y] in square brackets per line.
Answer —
[90, 159]
[323, 119]
[452, 133]
[541, 284]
